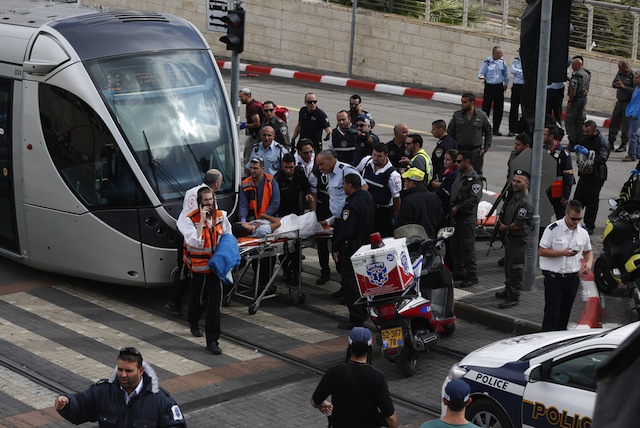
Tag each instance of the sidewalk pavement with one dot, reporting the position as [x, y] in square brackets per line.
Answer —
[478, 303]
[373, 86]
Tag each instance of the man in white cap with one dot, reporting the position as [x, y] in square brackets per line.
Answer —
[359, 392]
[457, 398]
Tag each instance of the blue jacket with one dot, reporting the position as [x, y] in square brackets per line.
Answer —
[225, 257]
[104, 402]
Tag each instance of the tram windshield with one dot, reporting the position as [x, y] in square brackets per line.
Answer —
[172, 111]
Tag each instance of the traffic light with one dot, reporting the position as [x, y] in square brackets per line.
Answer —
[235, 30]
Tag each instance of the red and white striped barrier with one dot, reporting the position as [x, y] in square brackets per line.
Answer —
[371, 86]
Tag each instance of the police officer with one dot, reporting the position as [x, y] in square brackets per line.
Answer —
[560, 189]
[352, 230]
[385, 185]
[329, 176]
[344, 138]
[471, 130]
[494, 72]
[269, 150]
[466, 193]
[562, 246]
[515, 224]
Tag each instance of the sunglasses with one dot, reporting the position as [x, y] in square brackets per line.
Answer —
[268, 109]
[130, 351]
[459, 160]
[360, 125]
[575, 218]
[311, 101]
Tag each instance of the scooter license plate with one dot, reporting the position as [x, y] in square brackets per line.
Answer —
[392, 338]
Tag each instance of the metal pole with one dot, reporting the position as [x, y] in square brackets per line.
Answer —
[531, 263]
[352, 37]
[235, 74]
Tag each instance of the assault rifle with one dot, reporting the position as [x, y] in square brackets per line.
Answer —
[496, 227]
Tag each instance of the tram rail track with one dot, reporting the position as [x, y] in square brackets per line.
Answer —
[307, 368]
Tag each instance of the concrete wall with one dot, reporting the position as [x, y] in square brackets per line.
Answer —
[314, 35]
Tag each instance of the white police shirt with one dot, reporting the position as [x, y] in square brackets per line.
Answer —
[558, 236]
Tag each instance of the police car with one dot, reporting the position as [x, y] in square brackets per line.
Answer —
[537, 380]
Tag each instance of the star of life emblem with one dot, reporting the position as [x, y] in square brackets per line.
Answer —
[377, 273]
[345, 215]
[522, 212]
[475, 188]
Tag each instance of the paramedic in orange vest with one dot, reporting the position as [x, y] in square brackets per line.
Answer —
[260, 194]
[202, 229]
[560, 190]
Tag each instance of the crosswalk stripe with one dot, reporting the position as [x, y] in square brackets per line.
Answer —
[103, 333]
[279, 324]
[24, 390]
[52, 351]
[173, 327]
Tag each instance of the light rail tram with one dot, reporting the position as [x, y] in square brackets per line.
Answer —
[106, 118]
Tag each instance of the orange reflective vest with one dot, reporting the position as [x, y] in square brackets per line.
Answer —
[251, 193]
[197, 259]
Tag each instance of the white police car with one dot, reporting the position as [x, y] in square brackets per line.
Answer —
[537, 380]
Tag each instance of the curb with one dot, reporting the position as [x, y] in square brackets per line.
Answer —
[404, 91]
[492, 319]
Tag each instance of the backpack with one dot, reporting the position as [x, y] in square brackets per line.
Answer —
[282, 113]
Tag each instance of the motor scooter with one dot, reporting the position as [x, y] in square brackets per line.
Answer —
[410, 322]
[619, 263]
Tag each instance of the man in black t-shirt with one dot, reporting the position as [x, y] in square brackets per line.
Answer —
[359, 392]
[311, 122]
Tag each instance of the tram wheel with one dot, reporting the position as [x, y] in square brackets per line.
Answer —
[253, 309]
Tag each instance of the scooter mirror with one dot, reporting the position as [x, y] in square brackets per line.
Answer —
[613, 203]
[446, 232]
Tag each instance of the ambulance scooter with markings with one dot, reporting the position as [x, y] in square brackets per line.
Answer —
[408, 292]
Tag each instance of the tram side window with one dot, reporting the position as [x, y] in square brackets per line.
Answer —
[85, 153]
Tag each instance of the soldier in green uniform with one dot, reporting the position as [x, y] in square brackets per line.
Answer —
[515, 225]
[466, 193]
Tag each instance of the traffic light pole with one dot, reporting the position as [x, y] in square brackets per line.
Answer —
[531, 262]
[235, 84]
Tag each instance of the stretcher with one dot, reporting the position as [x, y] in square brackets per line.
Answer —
[279, 247]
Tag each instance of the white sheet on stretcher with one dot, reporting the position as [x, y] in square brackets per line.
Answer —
[306, 224]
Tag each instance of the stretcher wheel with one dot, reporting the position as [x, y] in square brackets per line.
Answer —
[226, 300]
[253, 309]
[301, 297]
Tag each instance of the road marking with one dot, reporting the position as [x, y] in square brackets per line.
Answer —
[179, 329]
[24, 390]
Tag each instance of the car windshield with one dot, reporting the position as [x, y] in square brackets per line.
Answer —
[560, 344]
[173, 114]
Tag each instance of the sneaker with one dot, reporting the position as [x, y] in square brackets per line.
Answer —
[508, 303]
[628, 159]
[501, 294]
[497, 133]
[214, 348]
[323, 279]
[196, 331]
[511, 134]
[173, 308]
[621, 148]
[469, 282]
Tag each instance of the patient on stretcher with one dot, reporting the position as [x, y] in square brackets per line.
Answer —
[306, 225]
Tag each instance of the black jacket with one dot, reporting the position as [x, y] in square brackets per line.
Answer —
[104, 402]
[420, 206]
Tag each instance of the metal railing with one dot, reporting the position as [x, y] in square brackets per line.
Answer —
[610, 28]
